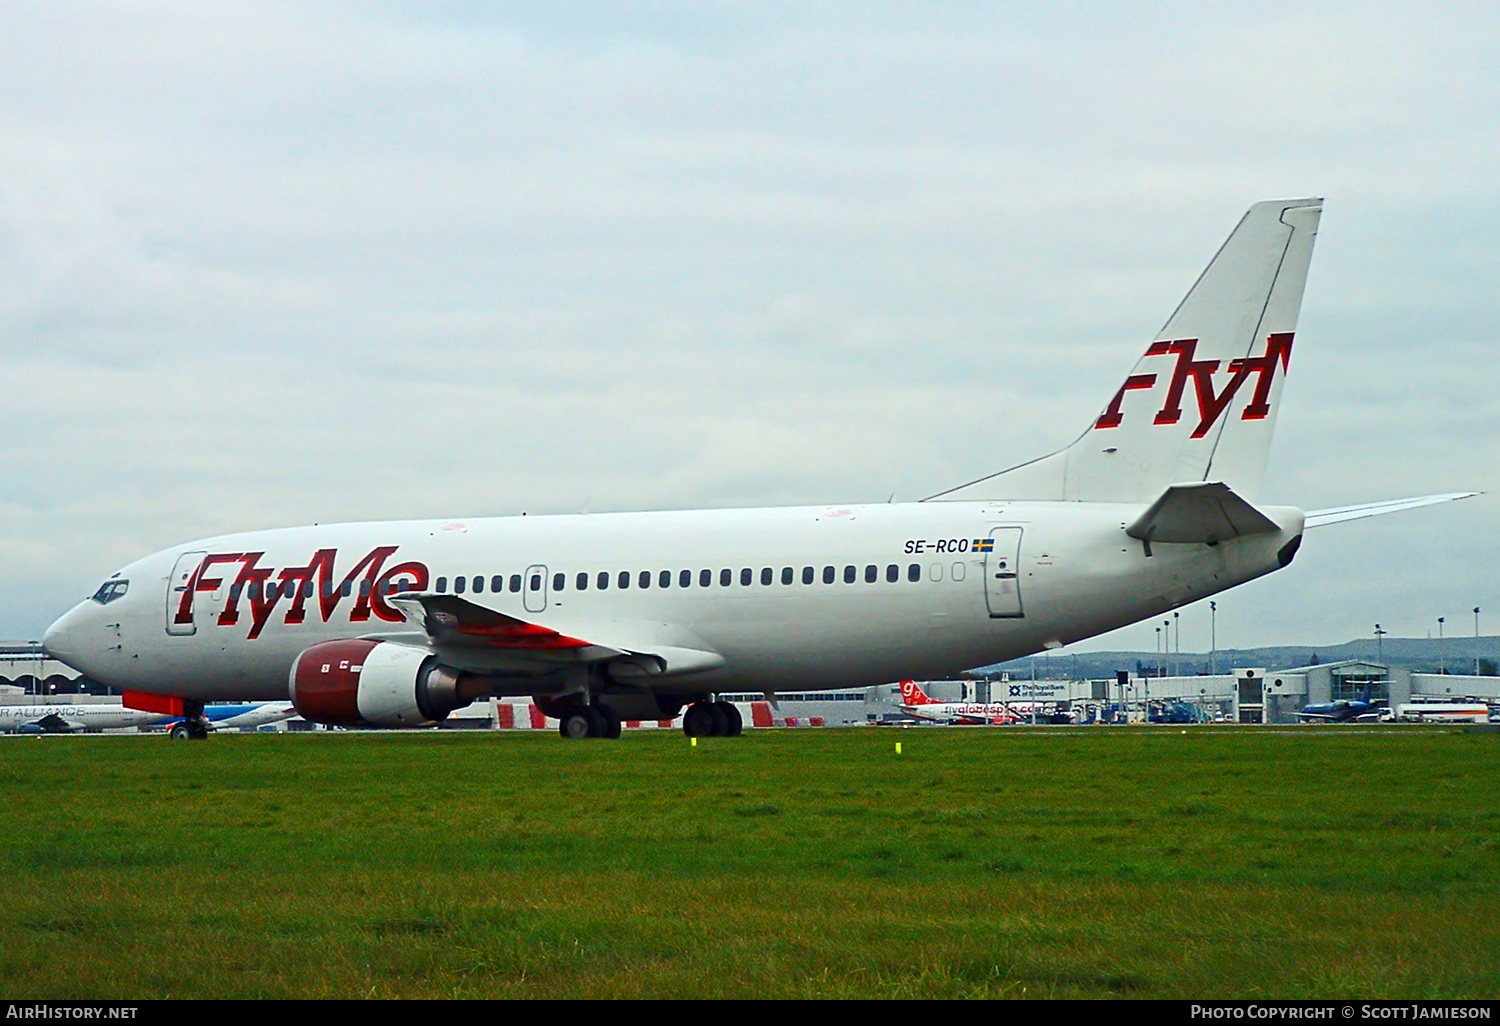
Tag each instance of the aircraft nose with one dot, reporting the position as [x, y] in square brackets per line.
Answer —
[61, 639]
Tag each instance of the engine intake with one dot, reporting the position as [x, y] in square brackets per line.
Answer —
[376, 684]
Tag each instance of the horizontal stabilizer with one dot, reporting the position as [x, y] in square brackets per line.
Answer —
[1338, 514]
[1201, 512]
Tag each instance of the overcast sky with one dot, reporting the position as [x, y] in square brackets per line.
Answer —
[265, 264]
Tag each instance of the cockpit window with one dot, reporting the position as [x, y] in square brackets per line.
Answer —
[110, 590]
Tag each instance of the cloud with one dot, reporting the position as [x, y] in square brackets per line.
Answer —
[272, 263]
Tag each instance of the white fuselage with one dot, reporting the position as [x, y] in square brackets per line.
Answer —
[962, 712]
[1054, 573]
[88, 718]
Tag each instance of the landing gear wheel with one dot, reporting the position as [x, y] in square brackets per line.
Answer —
[179, 732]
[721, 719]
[699, 720]
[576, 724]
[734, 722]
[611, 722]
[598, 725]
[197, 730]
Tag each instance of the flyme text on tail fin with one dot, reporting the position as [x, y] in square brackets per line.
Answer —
[605, 617]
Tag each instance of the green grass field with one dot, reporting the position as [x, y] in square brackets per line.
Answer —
[1131, 862]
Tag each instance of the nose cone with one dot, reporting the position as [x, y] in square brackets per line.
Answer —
[63, 639]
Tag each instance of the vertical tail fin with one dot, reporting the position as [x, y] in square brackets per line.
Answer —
[1201, 403]
[912, 694]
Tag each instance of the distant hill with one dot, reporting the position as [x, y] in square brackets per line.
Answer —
[1419, 655]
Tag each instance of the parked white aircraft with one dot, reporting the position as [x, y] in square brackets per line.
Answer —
[238, 716]
[918, 703]
[633, 615]
[72, 719]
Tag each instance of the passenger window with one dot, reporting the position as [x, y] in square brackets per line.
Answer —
[307, 589]
[664, 579]
[535, 585]
[807, 575]
[705, 578]
[515, 583]
[726, 577]
[347, 588]
[558, 580]
[685, 579]
[958, 571]
[849, 575]
[893, 573]
[828, 575]
[235, 591]
[786, 575]
[871, 572]
[460, 585]
[914, 572]
[364, 588]
[497, 584]
[745, 577]
[583, 582]
[935, 571]
[478, 585]
[645, 578]
[766, 575]
[442, 585]
[624, 578]
[603, 581]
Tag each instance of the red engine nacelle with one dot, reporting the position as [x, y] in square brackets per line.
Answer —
[377, 684]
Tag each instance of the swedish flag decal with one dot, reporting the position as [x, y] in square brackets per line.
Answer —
[984, 545]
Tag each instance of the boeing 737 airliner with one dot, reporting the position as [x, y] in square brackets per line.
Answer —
[635, 615]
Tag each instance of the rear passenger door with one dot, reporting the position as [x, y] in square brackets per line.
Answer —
[1002, 573]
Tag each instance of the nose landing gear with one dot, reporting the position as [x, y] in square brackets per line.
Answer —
[194, 727]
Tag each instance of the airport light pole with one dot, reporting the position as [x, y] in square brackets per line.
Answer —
[1213, 638]
[1177, 639]
[1379, 646]
[1476, 641]
[1442, 666]
[1166, 645]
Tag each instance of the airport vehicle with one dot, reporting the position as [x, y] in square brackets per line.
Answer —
[917, 703]
[236, 716]
[72, 719]
[1176, 712]
[634, 615]
[1345, 709]
[1443, 712]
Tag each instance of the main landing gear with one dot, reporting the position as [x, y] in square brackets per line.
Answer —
[712, 719]
[581, 721]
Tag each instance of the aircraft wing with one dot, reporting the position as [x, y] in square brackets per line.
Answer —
[469, 636]
[52, 723]
[1339, 514]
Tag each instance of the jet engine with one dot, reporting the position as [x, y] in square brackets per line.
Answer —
[377, 684]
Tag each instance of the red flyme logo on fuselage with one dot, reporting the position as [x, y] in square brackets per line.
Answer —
[1211, 404]
[263, 588]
